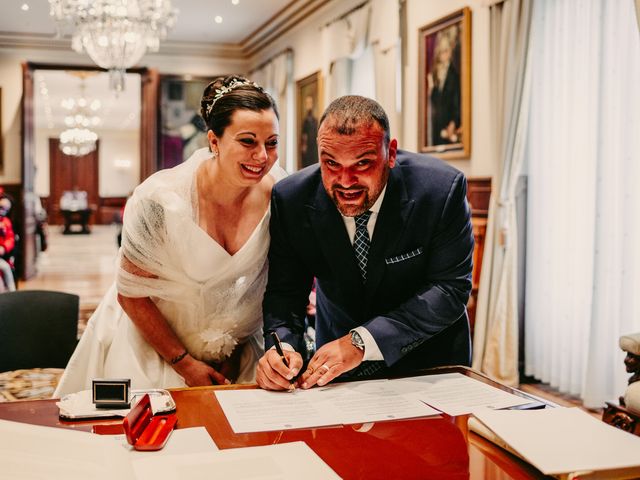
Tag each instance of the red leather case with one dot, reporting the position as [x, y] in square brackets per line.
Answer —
[146, 431]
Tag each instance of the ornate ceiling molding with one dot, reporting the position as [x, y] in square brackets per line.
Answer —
[280, 23]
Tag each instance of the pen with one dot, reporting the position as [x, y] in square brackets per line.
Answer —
[278, 345]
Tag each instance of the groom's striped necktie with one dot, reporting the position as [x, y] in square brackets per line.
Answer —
[362, 242]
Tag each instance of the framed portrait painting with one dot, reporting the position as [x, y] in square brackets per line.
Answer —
[444, 86]
[182, 129]
[308, 111]
[1, 144]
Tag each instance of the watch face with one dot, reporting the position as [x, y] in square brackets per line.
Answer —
[356, 340]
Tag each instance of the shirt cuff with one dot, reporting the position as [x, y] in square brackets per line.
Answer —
[285, 346]
[371, 350]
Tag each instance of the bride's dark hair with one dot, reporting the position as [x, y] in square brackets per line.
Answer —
[225, 95]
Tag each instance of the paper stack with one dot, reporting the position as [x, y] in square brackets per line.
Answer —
[564, 442]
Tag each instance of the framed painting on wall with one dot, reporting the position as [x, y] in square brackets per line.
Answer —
[308, 111]
[1, 144]
[444, 86]
[182, 129]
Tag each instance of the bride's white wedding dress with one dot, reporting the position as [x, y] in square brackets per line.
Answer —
[211, 299]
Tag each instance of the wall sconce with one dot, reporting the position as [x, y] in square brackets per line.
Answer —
[122, 164]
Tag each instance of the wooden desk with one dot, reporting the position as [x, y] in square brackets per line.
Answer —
[431, 448]
[76, 217]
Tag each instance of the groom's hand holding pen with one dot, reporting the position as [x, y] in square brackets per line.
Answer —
[278, 345]
[279, 366]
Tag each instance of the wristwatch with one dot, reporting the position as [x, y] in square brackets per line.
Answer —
[356, 340]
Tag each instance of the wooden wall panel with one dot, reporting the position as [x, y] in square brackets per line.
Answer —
[27, 231]
[478, 195]
[67, 172]
[107, 212]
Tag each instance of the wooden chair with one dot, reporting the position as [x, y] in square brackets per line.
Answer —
[38, 329]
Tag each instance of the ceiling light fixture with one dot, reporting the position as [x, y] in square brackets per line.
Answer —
[114, 33]
[78, 140]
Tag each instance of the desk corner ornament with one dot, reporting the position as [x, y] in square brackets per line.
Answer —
[111, 393]
[626, 416]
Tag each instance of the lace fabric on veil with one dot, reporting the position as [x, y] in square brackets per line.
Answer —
[212, 300]
[211, 309]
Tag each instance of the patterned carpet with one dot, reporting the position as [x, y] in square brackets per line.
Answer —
[34, 384]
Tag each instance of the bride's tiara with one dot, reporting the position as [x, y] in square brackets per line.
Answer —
[220, 92]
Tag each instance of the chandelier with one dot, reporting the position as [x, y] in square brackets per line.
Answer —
[77, 140]
[114, 33]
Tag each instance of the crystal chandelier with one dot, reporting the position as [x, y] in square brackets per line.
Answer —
[78, 140]
[114, 33]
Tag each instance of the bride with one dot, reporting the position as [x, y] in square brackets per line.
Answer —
[186, 307]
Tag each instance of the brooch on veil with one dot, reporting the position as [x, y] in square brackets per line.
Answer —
[218, 343]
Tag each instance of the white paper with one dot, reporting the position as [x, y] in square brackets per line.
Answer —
[563, 440]
[263, 411]
[272, 462]
[31, 451]
[457, 394]
[368, 401]
[356, 402]
[184, 440]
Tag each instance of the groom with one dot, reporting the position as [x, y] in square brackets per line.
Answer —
[387, 235]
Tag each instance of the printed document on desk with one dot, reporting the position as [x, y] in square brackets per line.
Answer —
[560, 441]
[31, 451]
[272, 462]
[456, 394]
[181, 441]
[355, 402]
[263, 411]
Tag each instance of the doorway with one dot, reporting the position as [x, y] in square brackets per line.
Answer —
[71, 173]
[35, 170]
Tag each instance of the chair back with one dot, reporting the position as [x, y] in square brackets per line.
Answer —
[38, 329]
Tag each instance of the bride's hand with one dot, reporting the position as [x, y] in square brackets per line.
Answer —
[197, 373]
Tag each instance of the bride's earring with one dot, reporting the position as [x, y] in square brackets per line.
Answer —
[215, 154]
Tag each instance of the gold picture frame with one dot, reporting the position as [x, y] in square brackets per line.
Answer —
[444, 86]
[308, 111]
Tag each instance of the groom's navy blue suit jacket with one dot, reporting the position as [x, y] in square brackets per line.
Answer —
[418, 274]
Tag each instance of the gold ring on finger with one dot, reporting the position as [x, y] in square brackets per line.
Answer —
[325, 367]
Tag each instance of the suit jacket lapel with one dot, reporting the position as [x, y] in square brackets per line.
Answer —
[332, 237]
[392, 220]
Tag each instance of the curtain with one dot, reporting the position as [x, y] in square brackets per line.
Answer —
[583, 261]
[261, 76]
[496, 328]
[361, 57]
[281, 81]
[385, 40]
[340, 45]
[277, 79]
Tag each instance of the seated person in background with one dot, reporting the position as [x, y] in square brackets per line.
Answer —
[74, 200]
[395, 303]
[186, 306]
[631, 345]
[7, 244]
[42, 229]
